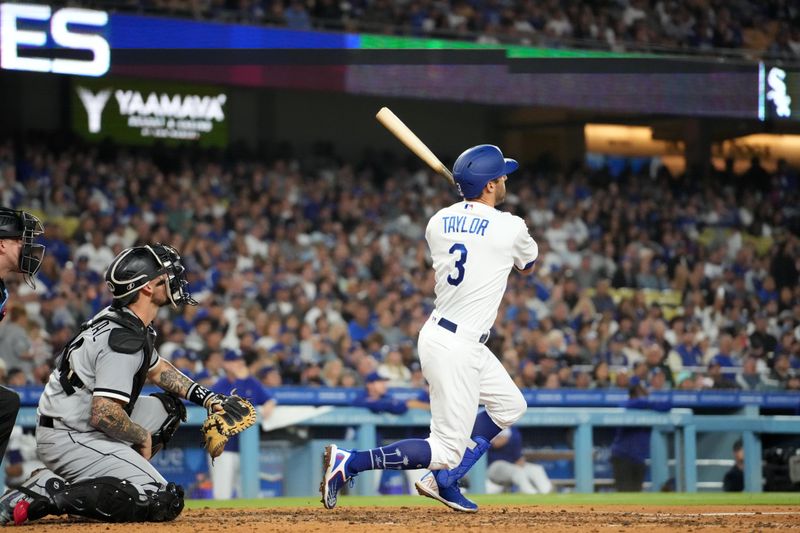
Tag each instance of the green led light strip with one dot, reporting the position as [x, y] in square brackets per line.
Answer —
[512, 51]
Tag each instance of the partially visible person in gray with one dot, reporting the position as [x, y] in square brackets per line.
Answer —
[18, 253]
[508, 467]
[95, 434]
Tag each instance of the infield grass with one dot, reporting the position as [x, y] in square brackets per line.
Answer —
[643, 498]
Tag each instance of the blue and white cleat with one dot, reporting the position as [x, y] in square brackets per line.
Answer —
[450, 496]
[334, 474]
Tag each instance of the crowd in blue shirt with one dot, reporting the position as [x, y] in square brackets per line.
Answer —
[316, 272]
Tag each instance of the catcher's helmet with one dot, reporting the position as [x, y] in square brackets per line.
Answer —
[479, 165]
[134, 267]
[25, 227]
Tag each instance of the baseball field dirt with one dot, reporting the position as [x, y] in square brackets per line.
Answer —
[494, 517]
[651, 513]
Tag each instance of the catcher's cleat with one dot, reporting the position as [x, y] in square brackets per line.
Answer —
[450, 496]
[21, 512]
[334, 474]
[12, 497]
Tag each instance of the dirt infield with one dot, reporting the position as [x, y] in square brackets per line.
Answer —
[503, 519]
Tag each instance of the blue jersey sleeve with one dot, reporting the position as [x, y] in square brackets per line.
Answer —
[260, 394]
[644, 403]
[222, 386]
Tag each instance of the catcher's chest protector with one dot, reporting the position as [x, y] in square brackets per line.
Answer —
[129, 337]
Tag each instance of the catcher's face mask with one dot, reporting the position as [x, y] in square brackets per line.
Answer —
[32, 254]
[25, 228]
[170, 262]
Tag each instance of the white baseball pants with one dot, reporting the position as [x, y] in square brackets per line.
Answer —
[462, 374]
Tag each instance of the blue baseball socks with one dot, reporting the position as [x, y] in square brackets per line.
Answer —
[411, 454]
[408, 454]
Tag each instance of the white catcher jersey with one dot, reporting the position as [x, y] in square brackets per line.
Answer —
[103, 372]
[474, 247]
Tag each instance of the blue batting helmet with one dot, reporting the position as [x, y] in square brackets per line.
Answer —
[479, 165]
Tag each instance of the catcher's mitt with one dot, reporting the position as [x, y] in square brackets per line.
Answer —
[237, 415]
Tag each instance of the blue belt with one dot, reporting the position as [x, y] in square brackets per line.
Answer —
[452, 327]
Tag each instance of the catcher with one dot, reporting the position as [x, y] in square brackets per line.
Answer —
[95, 434]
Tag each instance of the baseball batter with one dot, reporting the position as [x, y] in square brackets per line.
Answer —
[94, 433]
[474, 247]
[18, 253]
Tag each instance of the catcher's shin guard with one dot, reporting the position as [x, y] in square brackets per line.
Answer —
[166, 504]
[176, 413]
[107, 499]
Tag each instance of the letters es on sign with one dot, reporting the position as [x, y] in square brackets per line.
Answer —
[13, 35]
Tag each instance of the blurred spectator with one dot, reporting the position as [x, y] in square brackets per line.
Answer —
[15, 343]
[362, 325]
[601, 378]
[631, 446]
[185, 361]
[393, 369]
[780, 375]
[270, 377]
[750, 378]
[508, 467]
[685, 381]
[213, 369]
[97, 254]
[734, 478]
[762, 344]
[378, 400]
[719, 380]
[225, 469]
[16, 378]
[20, 459]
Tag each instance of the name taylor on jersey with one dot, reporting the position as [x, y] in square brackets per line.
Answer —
[465, 224]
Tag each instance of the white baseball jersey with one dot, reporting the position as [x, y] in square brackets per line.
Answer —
[473, 247]
[103, 372]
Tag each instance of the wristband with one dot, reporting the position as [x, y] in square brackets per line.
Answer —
[198, 394]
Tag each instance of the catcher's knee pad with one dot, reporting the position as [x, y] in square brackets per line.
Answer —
[108, 499]
[176, 412]
[166, 504]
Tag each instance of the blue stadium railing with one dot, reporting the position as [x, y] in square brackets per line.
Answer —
[579, 410]
[712, 398]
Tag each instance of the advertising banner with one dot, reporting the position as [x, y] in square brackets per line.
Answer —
[142, 112]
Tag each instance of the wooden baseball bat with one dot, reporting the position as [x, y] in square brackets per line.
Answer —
[392, 123]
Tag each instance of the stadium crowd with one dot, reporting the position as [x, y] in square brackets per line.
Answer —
[770, 26]
[316, 270]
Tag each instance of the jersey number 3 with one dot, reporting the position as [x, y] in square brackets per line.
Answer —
[458, 276]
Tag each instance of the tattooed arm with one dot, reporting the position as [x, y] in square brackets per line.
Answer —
[109, 417]
[170, 378]
[173, 380]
